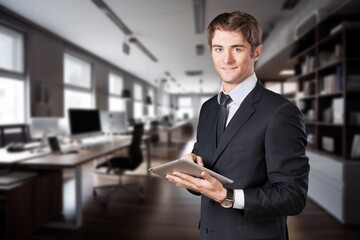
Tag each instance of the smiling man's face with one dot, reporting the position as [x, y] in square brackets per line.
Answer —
[232, 57]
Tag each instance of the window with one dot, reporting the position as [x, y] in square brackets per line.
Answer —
[151, 107]
[138, 101]
[12, 50]
[78, 86]
[12, 91]
[76, 99]
[12, 101]
[138, 92]
[184, 102]
[77, 72]
[165, 107]
[186, 110]
[275, 87]
[116, 83]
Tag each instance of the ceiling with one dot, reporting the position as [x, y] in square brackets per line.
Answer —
[165, 27]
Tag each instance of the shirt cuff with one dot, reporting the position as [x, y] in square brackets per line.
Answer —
[239, 197]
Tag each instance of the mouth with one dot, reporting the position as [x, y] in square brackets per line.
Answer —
[228, 69]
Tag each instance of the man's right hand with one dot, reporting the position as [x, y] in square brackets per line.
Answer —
[195, 158]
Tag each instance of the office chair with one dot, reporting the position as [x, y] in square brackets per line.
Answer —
[23, 136]
[119, 164]
[154, 132]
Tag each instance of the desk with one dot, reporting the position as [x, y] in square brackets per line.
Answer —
[174, 127]
[75, 161]
[7, 158]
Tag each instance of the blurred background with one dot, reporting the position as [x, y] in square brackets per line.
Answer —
[128, 63]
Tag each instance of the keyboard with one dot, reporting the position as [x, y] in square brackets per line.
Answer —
[94, 141]
[69, 148]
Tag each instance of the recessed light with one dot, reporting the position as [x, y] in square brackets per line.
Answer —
[287, 72]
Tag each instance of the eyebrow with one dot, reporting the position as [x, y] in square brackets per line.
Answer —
[232, 46]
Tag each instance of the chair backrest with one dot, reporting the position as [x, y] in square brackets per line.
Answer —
[22, 135]
[154, 131]
[135, 152]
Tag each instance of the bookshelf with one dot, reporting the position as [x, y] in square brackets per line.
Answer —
[325, 61]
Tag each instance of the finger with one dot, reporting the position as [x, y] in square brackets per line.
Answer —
[187, 180]
[199, 160]
[183, 182]
[189, 156]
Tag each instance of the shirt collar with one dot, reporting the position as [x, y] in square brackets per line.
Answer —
[239, 93]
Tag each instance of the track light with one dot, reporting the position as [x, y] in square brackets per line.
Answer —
[143, 48]
[106, 9]
[199, 15]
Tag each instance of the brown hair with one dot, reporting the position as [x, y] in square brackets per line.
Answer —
[237, 21]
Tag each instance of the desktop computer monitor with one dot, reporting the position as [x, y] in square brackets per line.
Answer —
[84, 121]
[114, 122]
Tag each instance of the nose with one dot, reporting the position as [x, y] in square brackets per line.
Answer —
[228, 57]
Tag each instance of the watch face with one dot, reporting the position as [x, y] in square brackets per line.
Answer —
[227, 203]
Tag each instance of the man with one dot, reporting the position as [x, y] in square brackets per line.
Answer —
[262, 148]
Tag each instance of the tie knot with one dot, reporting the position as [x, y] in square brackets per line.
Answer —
[224, 99]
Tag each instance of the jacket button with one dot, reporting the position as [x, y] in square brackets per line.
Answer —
[206, 230]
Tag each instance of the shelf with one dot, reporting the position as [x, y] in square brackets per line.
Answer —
[305, 75]
[303, 53]
[307, 98]
[339, 56]
[326, 124]
[330, 95]
[330, 65]
[353, 60]
[332, 37]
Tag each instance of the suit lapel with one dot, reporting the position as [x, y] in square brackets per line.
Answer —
[242, 115]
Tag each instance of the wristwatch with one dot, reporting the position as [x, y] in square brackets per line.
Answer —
[228, 201]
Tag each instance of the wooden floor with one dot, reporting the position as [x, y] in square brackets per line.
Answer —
[168, 212]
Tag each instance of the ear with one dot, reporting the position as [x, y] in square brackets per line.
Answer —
[257, 53]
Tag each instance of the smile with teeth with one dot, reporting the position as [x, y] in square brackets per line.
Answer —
[228, 68]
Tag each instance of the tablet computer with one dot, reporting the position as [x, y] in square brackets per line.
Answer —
[188, 167]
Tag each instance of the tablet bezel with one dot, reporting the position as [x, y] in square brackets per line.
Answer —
[188, 167]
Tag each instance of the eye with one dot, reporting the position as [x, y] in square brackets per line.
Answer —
[218, 49]
[237, 49]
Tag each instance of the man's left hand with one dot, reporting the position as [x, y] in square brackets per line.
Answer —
[206, 185]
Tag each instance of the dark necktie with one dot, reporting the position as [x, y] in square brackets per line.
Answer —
[223, 113]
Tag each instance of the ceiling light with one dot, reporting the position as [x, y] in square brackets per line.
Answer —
[106, 9]
[143, 48]
[199, 49]
[289, 4]
[199, 15]
[194, 72]
[126, 48]
[287, 72]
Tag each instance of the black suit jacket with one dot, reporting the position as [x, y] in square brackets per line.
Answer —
[263, 150]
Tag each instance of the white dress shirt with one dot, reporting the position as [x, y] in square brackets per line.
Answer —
[238, 94]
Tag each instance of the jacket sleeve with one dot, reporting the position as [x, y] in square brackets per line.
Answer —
[287, 167]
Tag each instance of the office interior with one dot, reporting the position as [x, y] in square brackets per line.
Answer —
[86, 74]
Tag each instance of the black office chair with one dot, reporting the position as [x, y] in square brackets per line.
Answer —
[23, 136]
[154, 132]
[119, 164]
